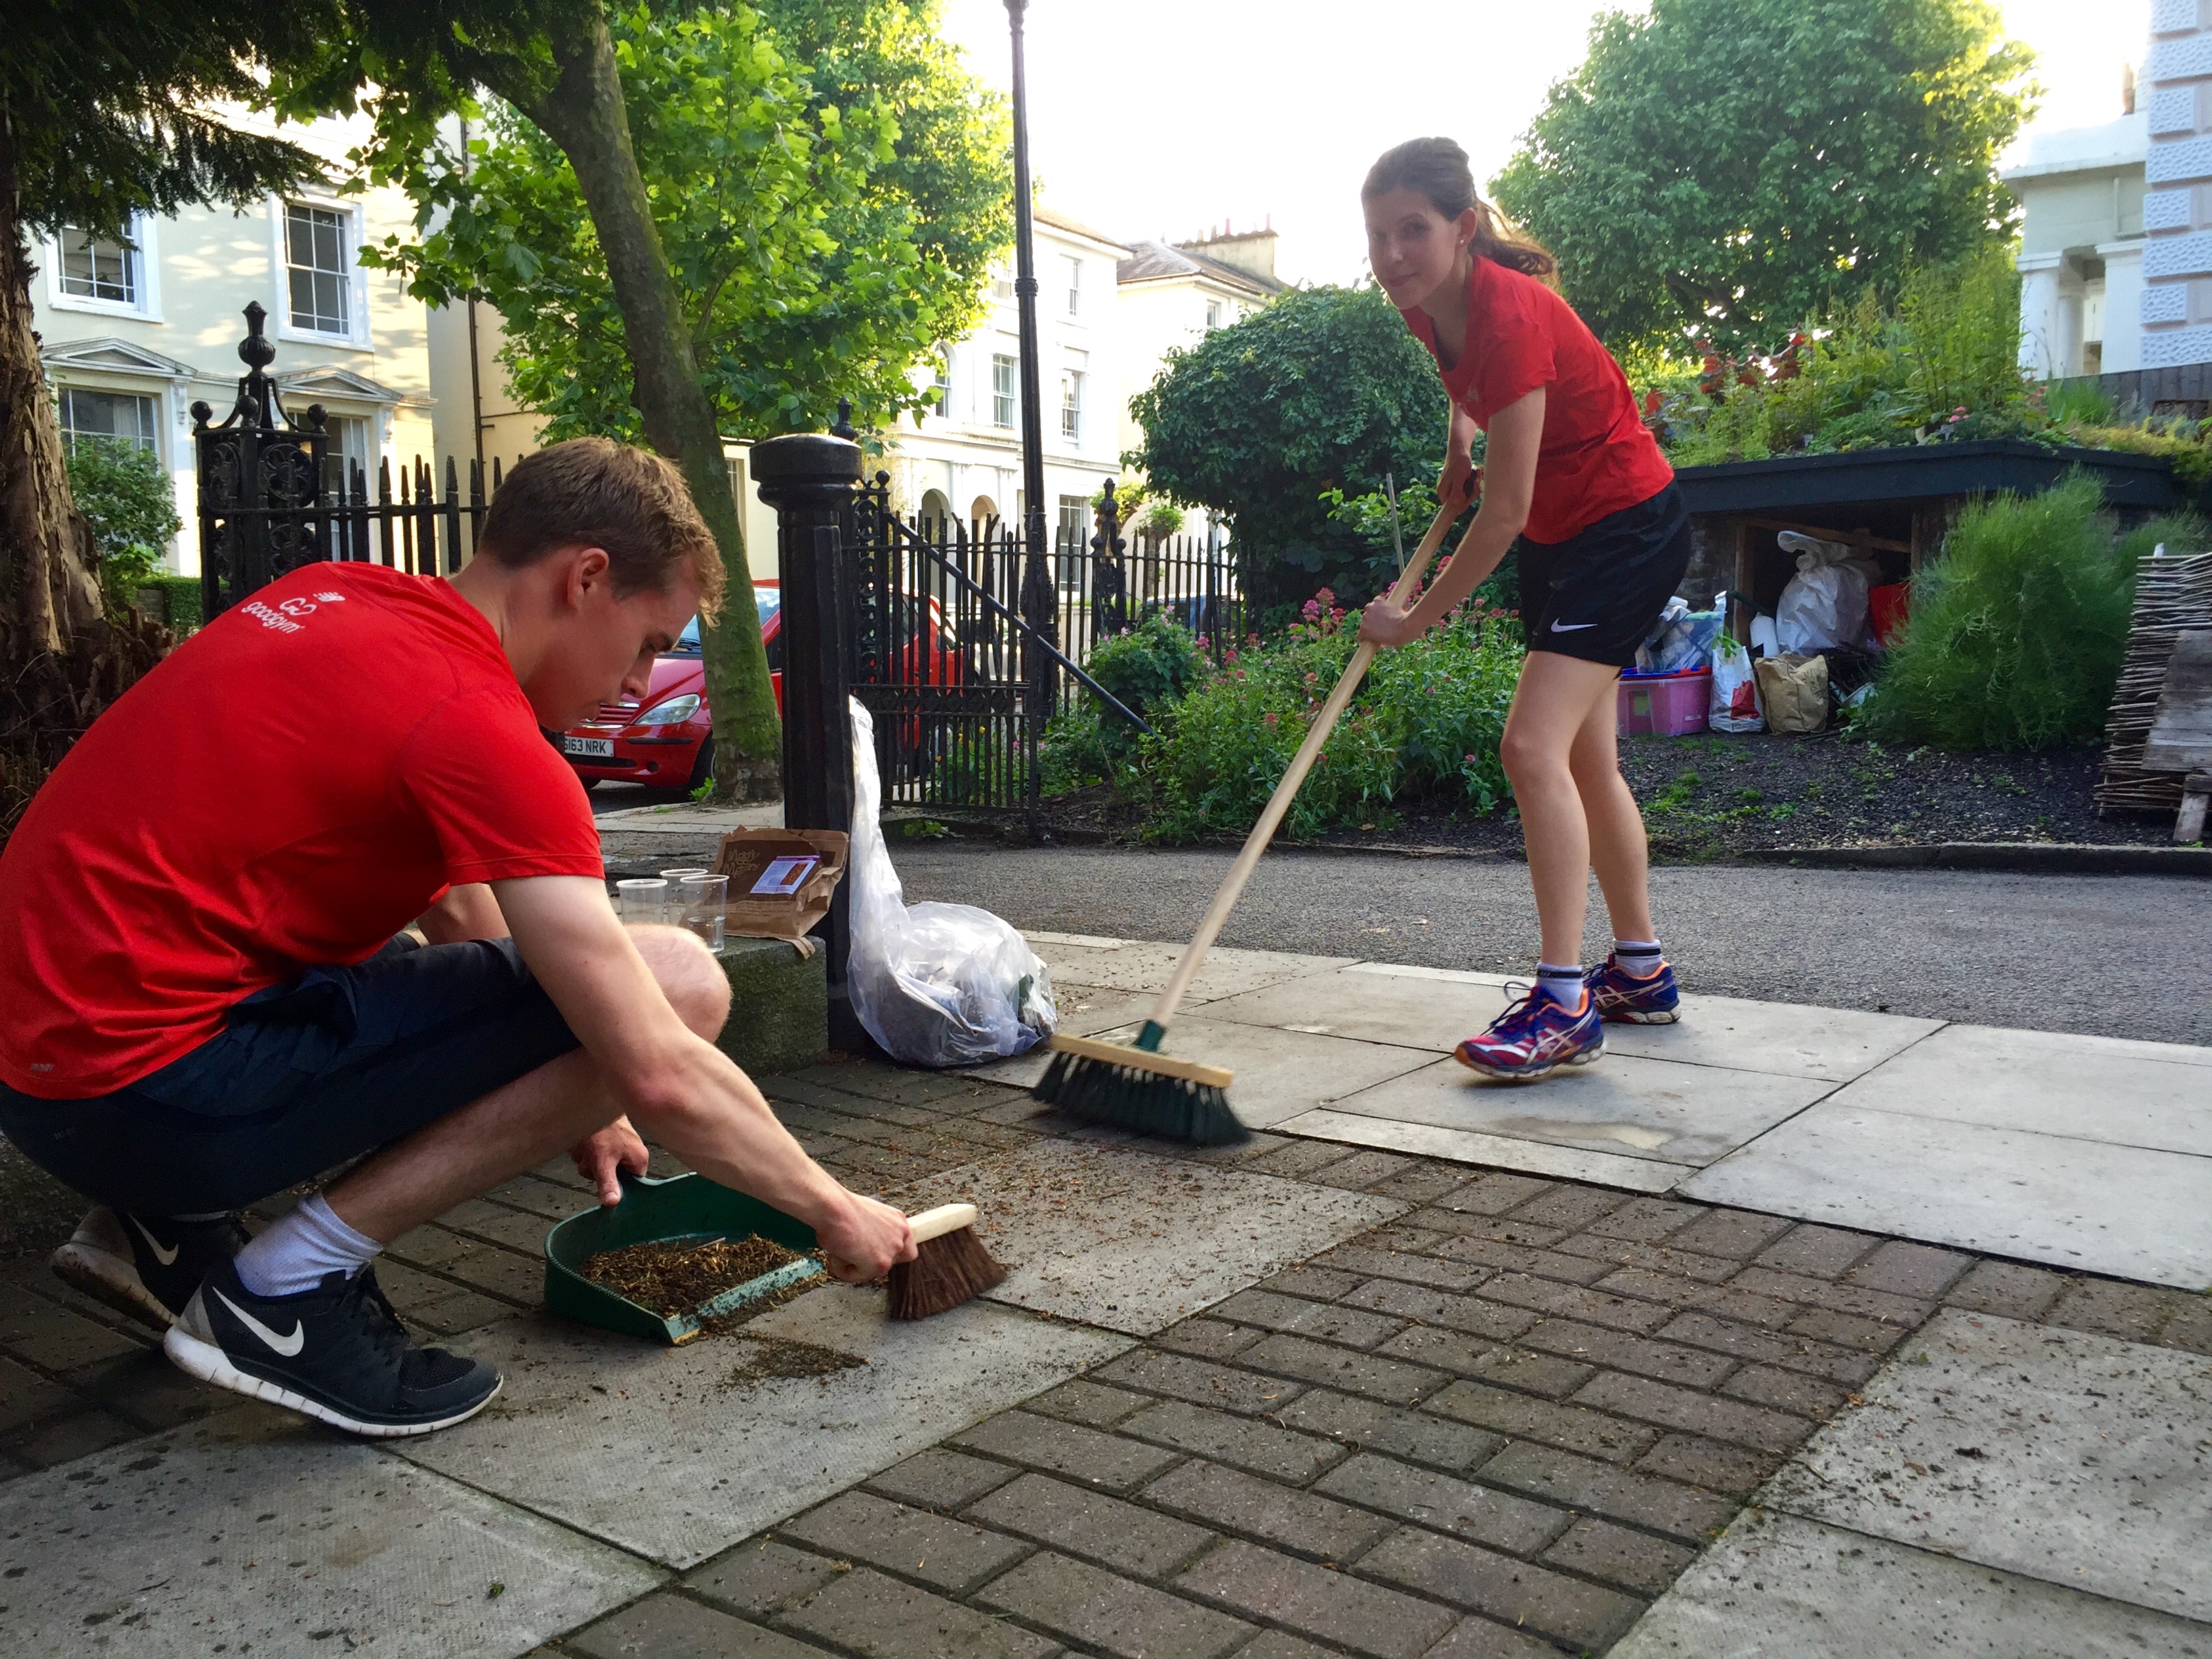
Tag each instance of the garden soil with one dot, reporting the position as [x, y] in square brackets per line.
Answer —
[1713, 799]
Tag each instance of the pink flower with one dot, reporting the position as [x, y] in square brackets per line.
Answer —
[1470, 760]
[1270, 718]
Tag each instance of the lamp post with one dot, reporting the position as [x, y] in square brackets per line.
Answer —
[1041, 684]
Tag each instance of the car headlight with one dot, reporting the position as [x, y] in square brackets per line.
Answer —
[674, 711]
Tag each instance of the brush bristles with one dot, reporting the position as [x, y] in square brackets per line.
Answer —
[1128, 1097]
[945, 1273]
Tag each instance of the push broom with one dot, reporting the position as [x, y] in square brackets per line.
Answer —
[1133, 1086]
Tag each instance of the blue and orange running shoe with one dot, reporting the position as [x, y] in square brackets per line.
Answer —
[1625, 999]
[1534, 1038]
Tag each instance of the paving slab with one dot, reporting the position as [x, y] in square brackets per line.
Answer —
[259, 1530]
[1689, 1114]
[1640, 1175]
[2078, 1459]
[1792, 1588]
[1786, 1038]
[653, 1448]
[1133, 1242]
[1143, 965]
[2124, 1211]
[2154, 1095]
[1434, 1012]
[1084, 1010]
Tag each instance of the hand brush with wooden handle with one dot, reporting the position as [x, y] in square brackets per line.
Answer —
[951, 1266]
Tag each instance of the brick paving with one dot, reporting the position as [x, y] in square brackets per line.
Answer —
[1496, 1428]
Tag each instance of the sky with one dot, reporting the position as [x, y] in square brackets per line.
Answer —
[1170, 118]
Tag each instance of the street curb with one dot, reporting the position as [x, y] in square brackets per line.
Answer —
[2026, 858]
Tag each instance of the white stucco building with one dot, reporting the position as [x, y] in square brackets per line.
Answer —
[2081, 190]
[132, 333]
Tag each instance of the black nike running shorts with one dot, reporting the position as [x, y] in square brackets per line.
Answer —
[306, 1076]
[1598, 594]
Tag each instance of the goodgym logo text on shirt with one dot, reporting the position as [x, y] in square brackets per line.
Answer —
[292, 612]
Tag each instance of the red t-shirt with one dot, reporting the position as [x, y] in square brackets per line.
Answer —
[1596, 456]
[290, 787]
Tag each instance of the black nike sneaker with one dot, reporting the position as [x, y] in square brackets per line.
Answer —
[147, 1267]
[336, 1353]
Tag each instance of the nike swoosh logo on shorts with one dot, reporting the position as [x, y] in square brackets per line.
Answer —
[286, 1346]
[1569, 627]
[167, 1258]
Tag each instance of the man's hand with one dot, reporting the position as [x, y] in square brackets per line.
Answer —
[1385, 624]
[599, 1157]
[861, 1245]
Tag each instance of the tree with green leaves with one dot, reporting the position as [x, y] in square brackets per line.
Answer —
[1722, 169]
[1323, 389]
[557, 66]
[824, 234]
[104, 113]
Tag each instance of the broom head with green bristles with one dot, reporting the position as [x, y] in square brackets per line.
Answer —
[1138, 1088]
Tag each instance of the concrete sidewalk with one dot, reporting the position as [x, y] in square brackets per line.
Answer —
[1299, 1398]
[2076, 1152]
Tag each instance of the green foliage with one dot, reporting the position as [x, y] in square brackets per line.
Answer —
[1145, 668]
[185, 599]
[830, 189]
[114, 107]
[1941, 363]
[2016, 633]
[1324, 389]
[1724, 167]
[1429, 717]
[2186, 444]
[132, 507]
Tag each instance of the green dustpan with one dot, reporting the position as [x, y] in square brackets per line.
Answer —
[682, 1208]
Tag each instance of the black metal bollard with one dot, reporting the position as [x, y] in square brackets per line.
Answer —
[810, 478]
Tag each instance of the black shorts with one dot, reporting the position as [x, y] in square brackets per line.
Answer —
[305, 1076]
[1598, 594]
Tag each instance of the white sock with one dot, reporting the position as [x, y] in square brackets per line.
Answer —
[298, 1249]
[1640, 957]
[1562, 985]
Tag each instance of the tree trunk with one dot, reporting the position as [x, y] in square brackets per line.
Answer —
[61, 660]
[583, 113]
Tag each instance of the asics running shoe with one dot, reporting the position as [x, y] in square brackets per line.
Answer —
[336, 1353]
[1623, 998]
[1534, 1038]
[145, 1266]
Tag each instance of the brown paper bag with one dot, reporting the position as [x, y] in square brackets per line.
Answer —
[747, 852]
[1795, 690]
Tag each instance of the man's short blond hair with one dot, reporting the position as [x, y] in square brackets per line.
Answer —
[594, 492]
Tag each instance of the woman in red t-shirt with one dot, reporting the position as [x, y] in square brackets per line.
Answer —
[1573, 475]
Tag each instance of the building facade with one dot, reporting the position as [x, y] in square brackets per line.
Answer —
[2176, 305]
[133, 331]
[2081, 195]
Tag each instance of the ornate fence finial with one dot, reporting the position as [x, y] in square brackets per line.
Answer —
[844, 428]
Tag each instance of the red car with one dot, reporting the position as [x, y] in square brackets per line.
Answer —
[666, 742]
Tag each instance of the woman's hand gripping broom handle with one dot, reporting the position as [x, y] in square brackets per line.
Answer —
[1317, 734]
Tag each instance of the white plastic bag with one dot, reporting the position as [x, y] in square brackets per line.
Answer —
[1734, 706]
[936, 984]
[1824, 605]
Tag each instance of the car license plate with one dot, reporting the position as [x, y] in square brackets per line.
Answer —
[590, 748]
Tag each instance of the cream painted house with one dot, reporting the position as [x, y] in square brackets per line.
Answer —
[963, 460]
[2081, 190]
[1171, 294]
[133, 333]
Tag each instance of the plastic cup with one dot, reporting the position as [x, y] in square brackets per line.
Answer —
[671, 877]
[645, 900]
[706, 904]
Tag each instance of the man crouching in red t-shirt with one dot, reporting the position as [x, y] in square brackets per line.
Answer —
[202, 1001]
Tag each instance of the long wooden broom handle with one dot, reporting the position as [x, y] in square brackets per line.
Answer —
[1317, 734]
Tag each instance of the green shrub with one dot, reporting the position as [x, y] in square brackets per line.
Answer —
[185, 612]
[2016, 633]
[1429, 718]
[1145, 668]
[132, 506]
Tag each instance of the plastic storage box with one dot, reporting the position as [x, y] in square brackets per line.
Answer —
[1664, 705]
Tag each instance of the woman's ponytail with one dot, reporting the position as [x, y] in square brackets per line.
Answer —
[1438, 168]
